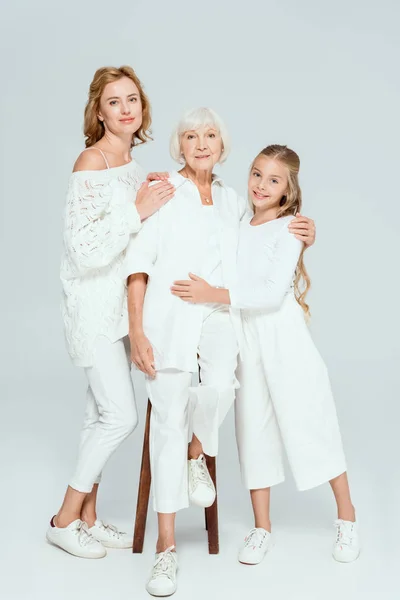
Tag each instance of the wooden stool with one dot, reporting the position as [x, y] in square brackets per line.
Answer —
[211, 513]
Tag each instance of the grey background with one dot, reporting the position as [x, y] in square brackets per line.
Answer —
[319, 76]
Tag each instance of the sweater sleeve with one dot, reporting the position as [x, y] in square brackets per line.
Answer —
[98, 222]
[141, 254]
[280, 268]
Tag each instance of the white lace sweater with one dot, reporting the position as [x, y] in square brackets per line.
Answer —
[99, 218]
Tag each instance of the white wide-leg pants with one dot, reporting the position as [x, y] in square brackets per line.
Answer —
[285, 402]
[110, 411]
[178, 409]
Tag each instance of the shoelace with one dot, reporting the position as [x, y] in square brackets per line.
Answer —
[111, 529]
[343, 532]
[165, 564]
[200, 473]
[254, 538]
[84, 535]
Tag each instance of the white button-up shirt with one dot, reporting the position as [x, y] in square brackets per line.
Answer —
[172, 243]
[214, 260]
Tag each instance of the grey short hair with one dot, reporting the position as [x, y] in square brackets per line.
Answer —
[192, 120]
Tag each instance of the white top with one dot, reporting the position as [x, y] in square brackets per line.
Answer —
[213, 260]
[172, 243]
[100, 215]
[267, 258]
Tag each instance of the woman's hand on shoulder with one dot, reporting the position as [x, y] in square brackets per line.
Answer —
[89, 161]
[158, 176]
[150, 199]
[303, 229]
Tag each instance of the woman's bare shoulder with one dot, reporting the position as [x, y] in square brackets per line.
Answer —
[89, 160]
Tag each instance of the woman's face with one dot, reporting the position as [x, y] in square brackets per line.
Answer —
[201, 148]
[268, 182]
[121, 107]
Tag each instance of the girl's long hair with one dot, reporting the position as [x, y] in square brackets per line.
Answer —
[292, 205]
[93, 128]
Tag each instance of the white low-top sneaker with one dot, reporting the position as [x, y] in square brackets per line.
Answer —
[162, 581]
[201, 487]
[347, 544]
[110, 536]
[75, 539]
[256, 545]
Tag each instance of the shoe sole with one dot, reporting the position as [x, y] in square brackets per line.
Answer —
[110, 545]
[253, 564]
[271, 545]
[161, 595]
[346, 561]
[53, 543]
[156, 595]
[202, 505]
[194, 503]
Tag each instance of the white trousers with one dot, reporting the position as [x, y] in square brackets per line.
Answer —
[110, 412]
[285, 402]
[178, 409]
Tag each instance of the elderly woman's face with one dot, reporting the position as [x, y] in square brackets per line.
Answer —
[201, 148]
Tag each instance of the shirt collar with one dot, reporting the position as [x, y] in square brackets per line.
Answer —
[177, 179]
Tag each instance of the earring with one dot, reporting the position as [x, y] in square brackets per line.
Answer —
[282, 201]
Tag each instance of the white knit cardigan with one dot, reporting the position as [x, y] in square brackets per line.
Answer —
[99, 218]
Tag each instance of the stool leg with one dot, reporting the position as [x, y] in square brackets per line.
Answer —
[144, 489]
[212, 512]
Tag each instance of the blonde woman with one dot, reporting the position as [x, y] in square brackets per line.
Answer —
[106, 203]
[285, 399]
[170, 340]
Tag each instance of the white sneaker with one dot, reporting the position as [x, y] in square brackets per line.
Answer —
[256, 545]
[347, 544]
[110, 536]
[201, 487]
[75, 539]
[162, 580]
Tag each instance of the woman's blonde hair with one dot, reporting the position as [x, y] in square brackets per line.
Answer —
[291, 204]
[93, 128]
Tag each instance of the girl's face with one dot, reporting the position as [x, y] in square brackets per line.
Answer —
[201, 148]
[121, 107]
[268, 182]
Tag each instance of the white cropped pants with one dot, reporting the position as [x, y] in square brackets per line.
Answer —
[285, 402]
[178, 410]
[110, 411]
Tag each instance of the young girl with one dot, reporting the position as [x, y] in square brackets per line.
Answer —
[285, 399]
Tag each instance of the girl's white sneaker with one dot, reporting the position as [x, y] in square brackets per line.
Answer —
[347, 544]
[75, 539]
[110, 536]
[256, 545]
